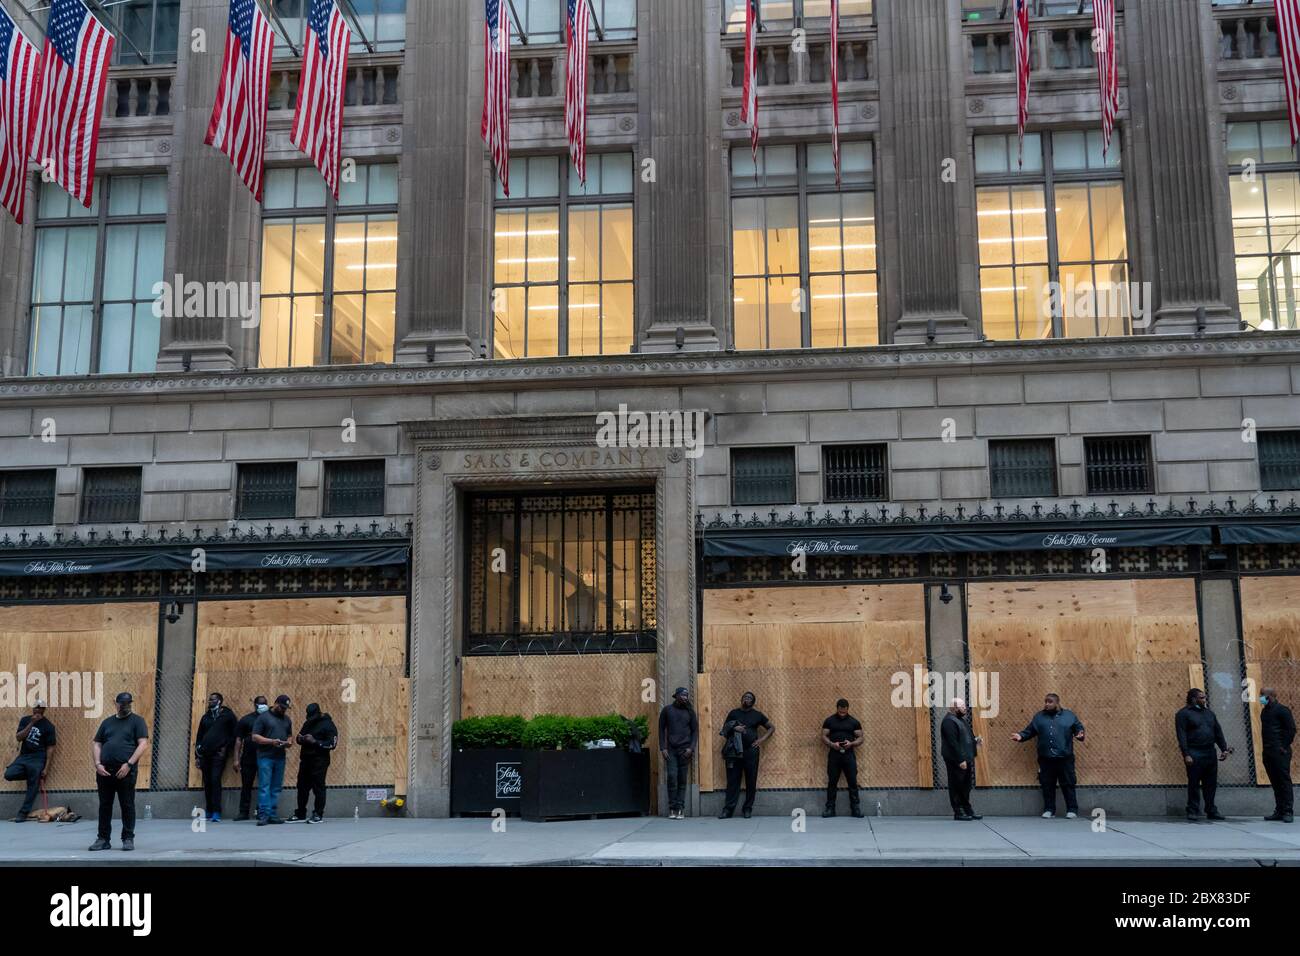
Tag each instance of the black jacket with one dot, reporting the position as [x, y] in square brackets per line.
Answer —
[216, 731]
[322, 728]
[1198, 730]
[1276, 727]
[679, 728]
[1055, 732]
[957, 741]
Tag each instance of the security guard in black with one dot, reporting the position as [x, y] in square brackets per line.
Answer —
[842, 734]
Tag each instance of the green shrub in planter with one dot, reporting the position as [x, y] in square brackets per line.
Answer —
[491, 732]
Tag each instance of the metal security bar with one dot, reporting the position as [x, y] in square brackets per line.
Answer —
[856, 472]
[267, 490]
[1279, 460]
[354, 488]
[762, 476]
[27, 497]
[110, 495]
[1118, 465]
[1023, 469]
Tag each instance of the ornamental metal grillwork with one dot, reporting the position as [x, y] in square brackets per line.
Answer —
[134, 536]
[267, 490]
[1023, 468]
[762, 476]
[1117, 466]
[562, 572]
[856, 472]
[27, 497]
[354, 488]
[110, 495]
[1279, 460]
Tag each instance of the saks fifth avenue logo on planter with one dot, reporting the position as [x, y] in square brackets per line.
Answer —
[796, 548]
[297, 559]
[510, 782]
[1078, 539]
[57, 567]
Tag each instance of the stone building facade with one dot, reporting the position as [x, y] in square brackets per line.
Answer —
[943, 371]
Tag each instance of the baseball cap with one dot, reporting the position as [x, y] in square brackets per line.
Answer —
[282, 700]
[124, 698]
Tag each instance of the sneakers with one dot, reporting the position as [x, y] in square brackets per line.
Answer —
[215, 818]
[128, 843]
[962, 817]
[972, 815]
[297, 818]
[725, 814]
[746, 813]
[1274, 817]
[1214, 815]
[1048, 814]
[676, 814]
[100, 844]
[1070, 815]
[316, 818]
[276, 820]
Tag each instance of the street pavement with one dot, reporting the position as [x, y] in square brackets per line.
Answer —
[889, 841]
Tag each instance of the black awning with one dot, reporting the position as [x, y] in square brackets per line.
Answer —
[61, 562]
[1259, 534]
[765, 543]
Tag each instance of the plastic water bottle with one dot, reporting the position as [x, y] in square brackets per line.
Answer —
[148, 811]
[356, 813]
[879, 811]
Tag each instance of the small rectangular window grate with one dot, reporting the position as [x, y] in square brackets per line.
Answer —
[1118, 466]
[1022, 468]
[354, 488]
[267, 490]
[855, 472]
[1279, 460]
[762, 476]
[27, 497]
[110, 495]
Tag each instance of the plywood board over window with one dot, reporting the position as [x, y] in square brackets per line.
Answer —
[799, 649]
[345, 653]
[114, 645]
[1121, 654]
[1270, 630]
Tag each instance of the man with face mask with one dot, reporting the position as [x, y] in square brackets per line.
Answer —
[273, 734]
[1056, 729]
[119, 744]
[246, 755]
[1198, 733]
[1277, 731]
[212, 744]
[35, 758]
[318, 738]
[957, 747]
[741, 730]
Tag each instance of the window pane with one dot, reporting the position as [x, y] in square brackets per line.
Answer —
[859, 231]
[780, 166]
[381, 326]
[1078, 301]
[616, 238]
[1033, 303]
[824, 223]
[1110, 235]
[53, 202]
[617, 174]
[1249, 217]
[278, 189]
[1029, 223]
[1070, 150]
[827, 295]
[997, 298]
[511, 247]
[782, 235]
[311, 190]
[153, 195]
[749, 309]
[1114, 303]
[46, 333]
[991, 154]
[584, 244]
[145, 338]
[861, 308]
[79, 273]
[353, 192]
[993, 205]
[1276, 138]
[1283, 211]
[584, 320]
[50, 260]
[74, 352]
[277, 257]
[617, 318]
[747, 236]
[309, 256]
[308, 341]
[349, 319]
[543, 321]
[1243, 142]
[1073, 230]
[508, 324]
[149, 259]
[350, 258]
[543, 245]
[383, 184]
[543, 177]
[1254, 292]
[115, 339]
[784, 323]
[124, 196]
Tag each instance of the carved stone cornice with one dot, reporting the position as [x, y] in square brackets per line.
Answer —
[514, 431]
[682, 368]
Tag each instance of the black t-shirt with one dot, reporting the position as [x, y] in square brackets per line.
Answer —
[274, 727]
[117, 737]
[243, 731]
[841, 728]
[39, 735]
[752, 719]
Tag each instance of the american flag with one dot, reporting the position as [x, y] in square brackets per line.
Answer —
[749, 96]
[1288, 36]
[238, 126]
[1022, 72]
[575, 90]
[835, 86]
[318, 120]
[1103, 31]
[496, 88]
[75, 71]
[20, 83]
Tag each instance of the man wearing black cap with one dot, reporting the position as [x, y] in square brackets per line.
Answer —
[35, 756]
[212, 744]
[679, 735]
[246, 755]
[273, 734]
[1198, 732]
[318, 737]
[119, 744]
[842, 734]
[741, 731]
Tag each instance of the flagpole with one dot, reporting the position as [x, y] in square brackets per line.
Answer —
[284, 31]
[519, 26]
[356, 23]
[117, 30]
[600, 30]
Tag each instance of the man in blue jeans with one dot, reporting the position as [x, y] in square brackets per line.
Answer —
[273, 735]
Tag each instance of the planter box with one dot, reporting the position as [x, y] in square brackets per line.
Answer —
[485, 780]
[563, 783]
[542, 784]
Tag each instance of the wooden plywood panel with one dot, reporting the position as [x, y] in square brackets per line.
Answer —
[798, 650]
[704, 712]
[1118, 652]
[346, 654]
[1270, 628]
[115, 644]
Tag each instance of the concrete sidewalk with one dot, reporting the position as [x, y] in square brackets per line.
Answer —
[892, 841]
